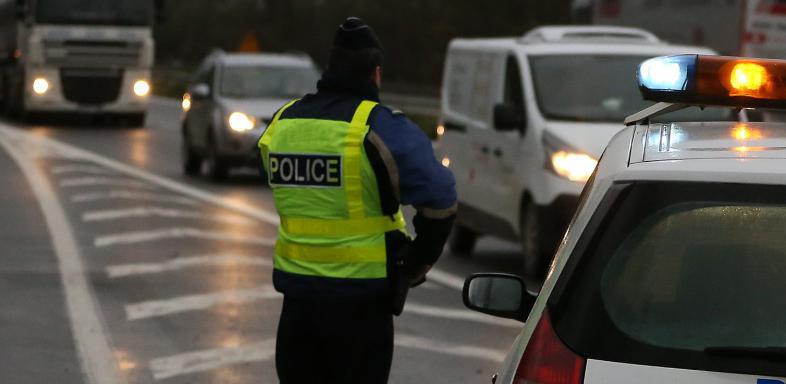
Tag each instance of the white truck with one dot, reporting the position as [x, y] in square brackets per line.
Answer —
[77, 56]
[752, 28]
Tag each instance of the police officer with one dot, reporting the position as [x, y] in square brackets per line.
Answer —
[339, 165]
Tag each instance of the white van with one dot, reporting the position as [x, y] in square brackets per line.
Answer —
[524, 121]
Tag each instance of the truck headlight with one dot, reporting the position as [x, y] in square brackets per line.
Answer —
[141, 88]
[573, 166]
[240, 122]
[40, 86]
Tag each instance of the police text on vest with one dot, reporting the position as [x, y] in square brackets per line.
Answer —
[304, 170]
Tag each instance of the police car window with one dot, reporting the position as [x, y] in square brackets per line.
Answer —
[267, 81]
[696, 275]
[598, 88]
[677, 268]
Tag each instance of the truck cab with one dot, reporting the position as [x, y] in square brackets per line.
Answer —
[86, 57]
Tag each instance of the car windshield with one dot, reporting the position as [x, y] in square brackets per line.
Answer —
[116, 12]
[683, 268]
[248, 82]
[598, 88]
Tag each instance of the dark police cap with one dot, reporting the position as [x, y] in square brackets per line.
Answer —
[355, 34]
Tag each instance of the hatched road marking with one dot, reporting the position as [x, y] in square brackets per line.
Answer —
[198, 302]
[123, 270]
[178, 233]
[120, 194]
[413, 307]
[459, 350]
[205, 360]
[89, 331]
[89, 181]
[136, 212]
[80, 168]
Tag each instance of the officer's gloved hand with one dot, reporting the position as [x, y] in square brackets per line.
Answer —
[419, 275]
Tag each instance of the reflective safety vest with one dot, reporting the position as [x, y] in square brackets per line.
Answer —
[327, 197]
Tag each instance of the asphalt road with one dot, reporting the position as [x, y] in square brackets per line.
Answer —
[118, 269]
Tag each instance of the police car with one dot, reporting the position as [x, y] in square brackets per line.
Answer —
[672, 270]
[524, 121]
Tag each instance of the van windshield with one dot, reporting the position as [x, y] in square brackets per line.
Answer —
[249, 82]
[599, 88]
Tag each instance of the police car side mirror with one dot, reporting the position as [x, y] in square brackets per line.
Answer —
[508, 118]
[498, 294]
[200, 91]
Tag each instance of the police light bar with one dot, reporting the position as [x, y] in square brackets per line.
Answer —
[714, 80]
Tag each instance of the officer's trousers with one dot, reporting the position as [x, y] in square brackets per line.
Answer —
[327, 342]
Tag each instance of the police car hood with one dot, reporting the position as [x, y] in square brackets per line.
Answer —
[589, 138]
[259, 108]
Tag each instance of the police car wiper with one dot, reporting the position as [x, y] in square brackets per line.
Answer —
[769, 353]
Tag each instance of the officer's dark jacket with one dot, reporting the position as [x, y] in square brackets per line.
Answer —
[407, 173]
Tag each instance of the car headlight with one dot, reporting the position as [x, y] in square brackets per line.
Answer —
[573, 166]
[141, 88]
[186, 103]
[566, 162]
[40, 86]
[241, 122]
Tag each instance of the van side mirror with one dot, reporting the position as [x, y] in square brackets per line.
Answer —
[508, 118]
[498, 294]
[200, 91]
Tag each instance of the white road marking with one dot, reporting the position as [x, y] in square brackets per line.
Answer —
[460, 350]
[430, 285]
[135, 212]
[175, 186]
[447, 279]
[123, 270]
[90, 181]
[205, 360]
[89, 332]
[80, 168]
[198, 302]
[178, 233]
[121, 194]
[415, 308]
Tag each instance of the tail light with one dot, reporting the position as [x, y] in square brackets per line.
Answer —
[547, 360]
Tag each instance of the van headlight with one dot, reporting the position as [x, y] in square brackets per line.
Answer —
[241, 122]
[568, 163]
[574, 166]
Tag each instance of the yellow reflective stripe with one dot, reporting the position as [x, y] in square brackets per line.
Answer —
[264, 142]
[342, 227]
[352, 156]
[335, 270]
[317, 254]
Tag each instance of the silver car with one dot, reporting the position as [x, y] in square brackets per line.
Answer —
[229, 102]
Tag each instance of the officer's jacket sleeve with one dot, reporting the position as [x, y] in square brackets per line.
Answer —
[418, 178]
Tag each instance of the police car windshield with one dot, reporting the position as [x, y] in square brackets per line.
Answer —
[116, 12]
[598, 88]
[250, 82]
